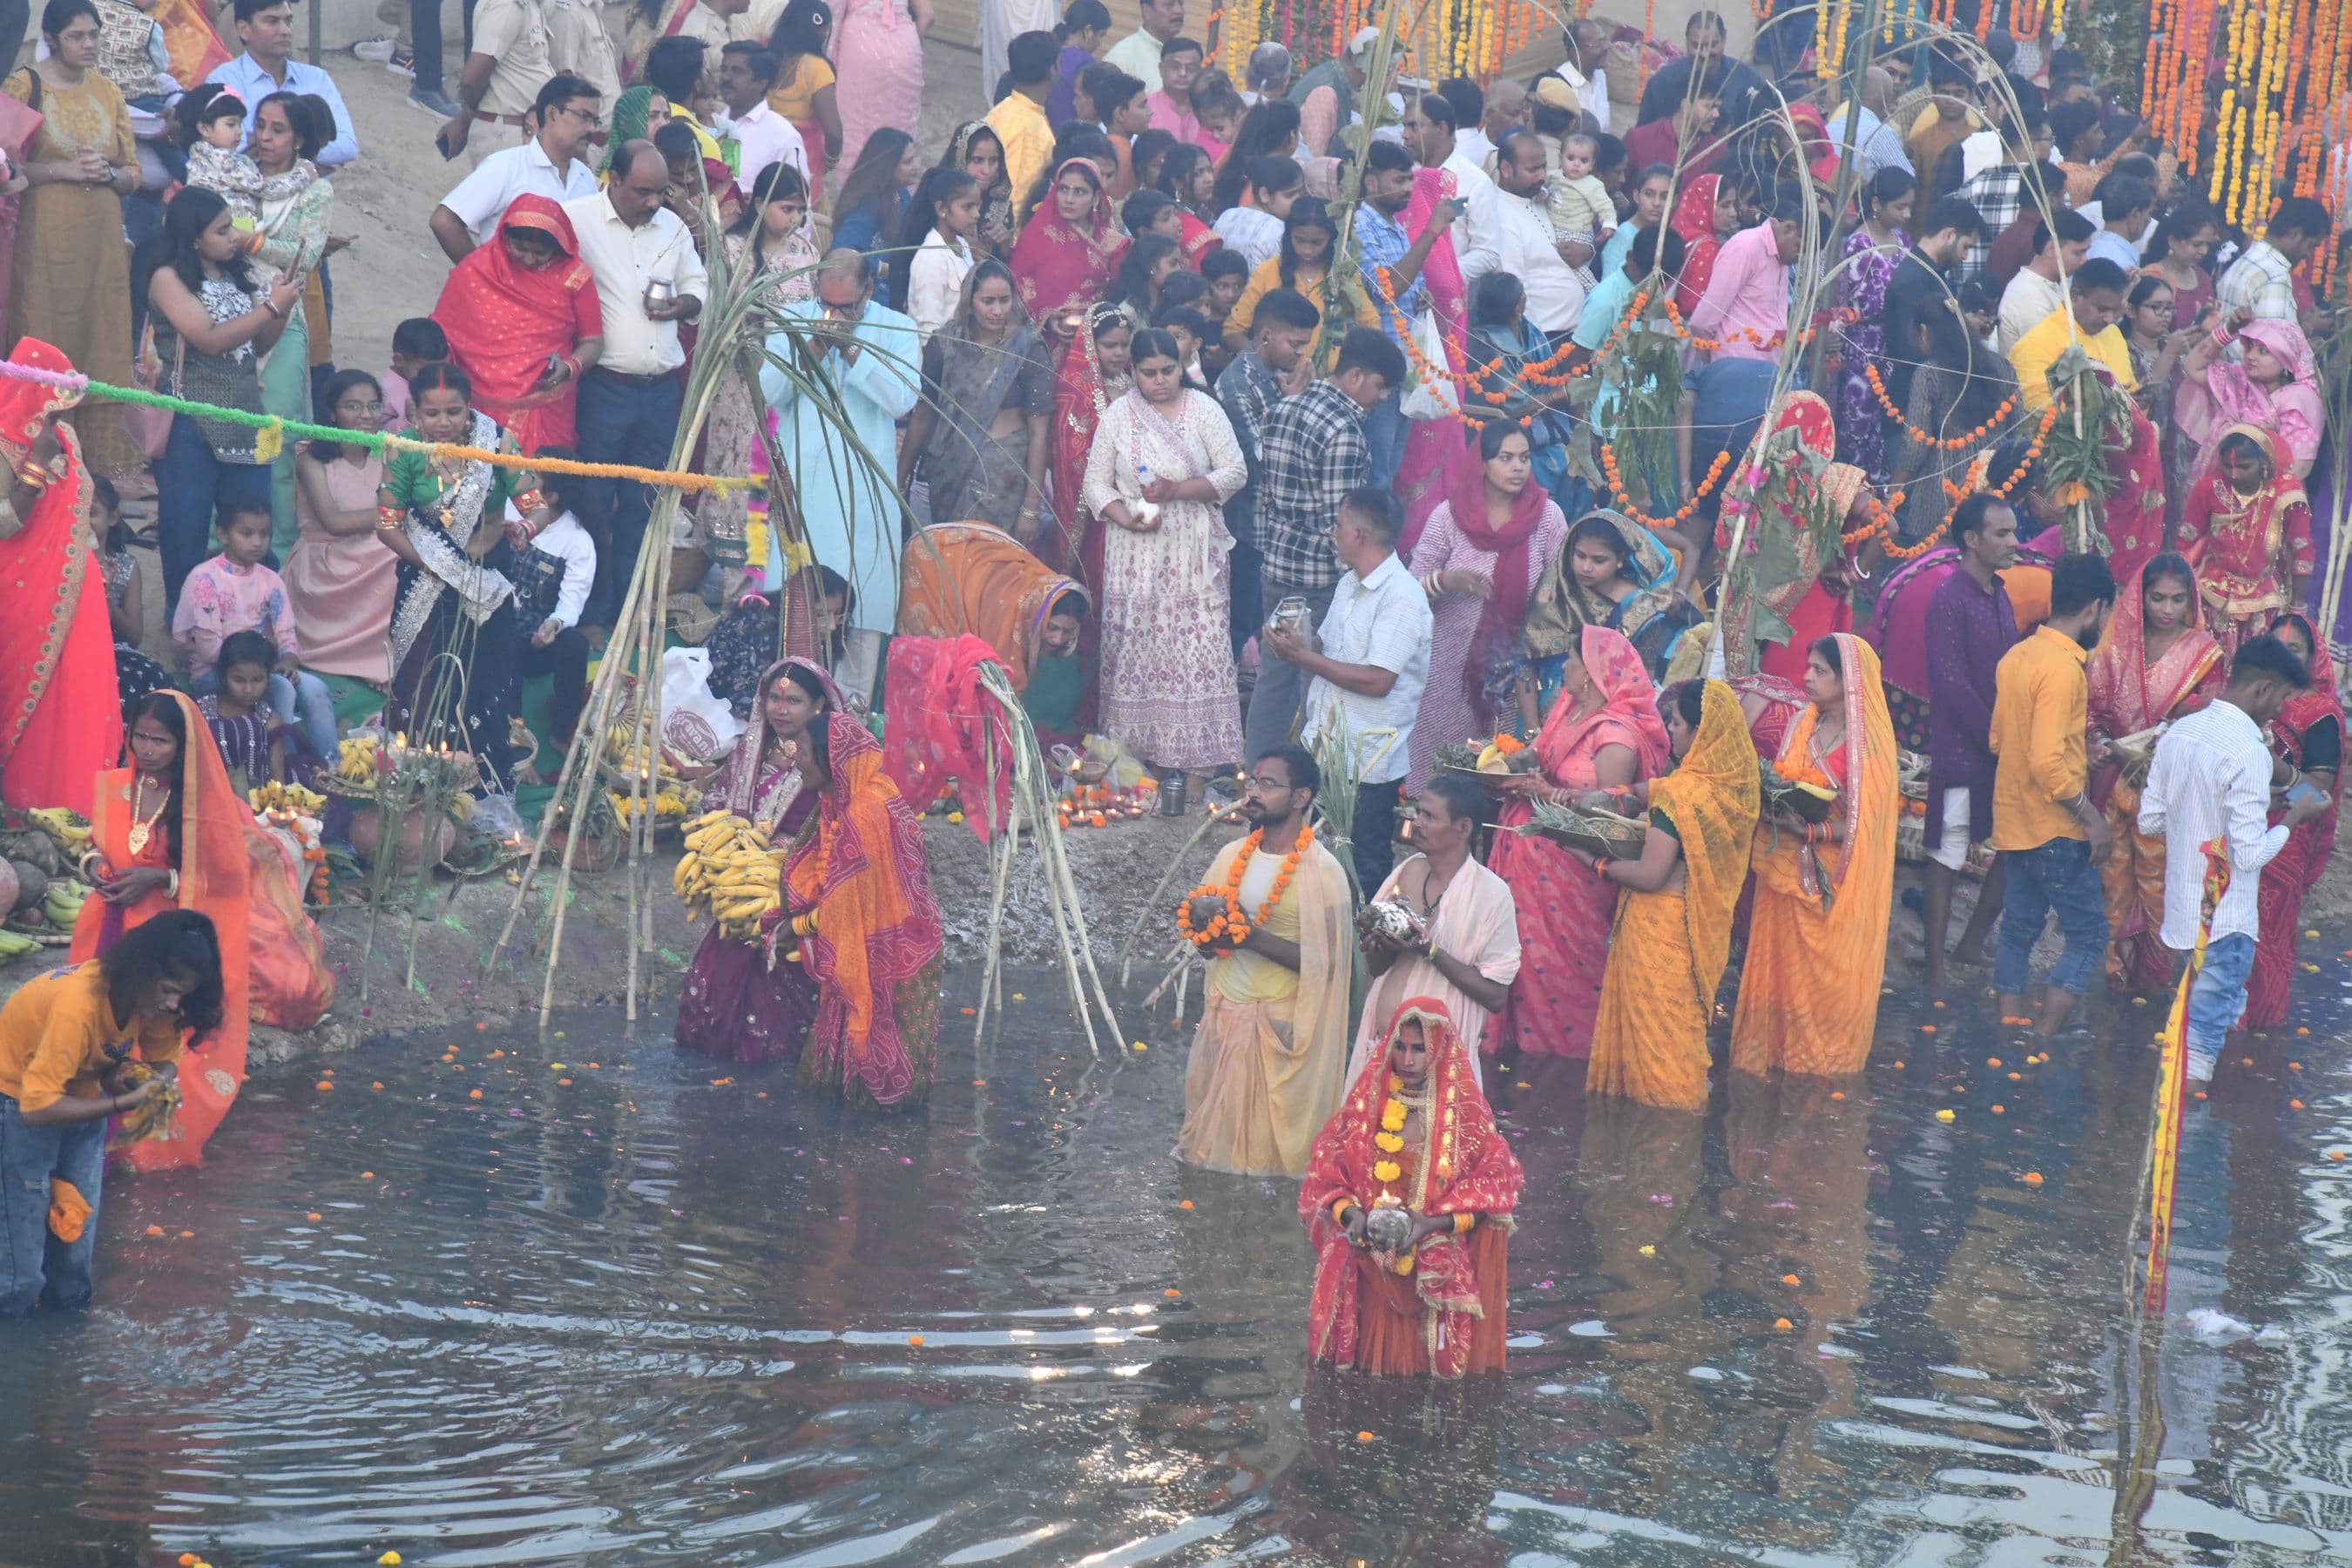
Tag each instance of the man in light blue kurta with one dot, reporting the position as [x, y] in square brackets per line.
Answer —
[871, 355]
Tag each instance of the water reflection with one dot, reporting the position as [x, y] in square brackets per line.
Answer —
[632, 1310]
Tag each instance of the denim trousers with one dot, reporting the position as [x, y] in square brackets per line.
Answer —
[191, 486]
[2053, 877]
[1386, 430]
[2217, 1000]
[36, 1268]
[1281, 686]
[1373, 836]
[622, 419]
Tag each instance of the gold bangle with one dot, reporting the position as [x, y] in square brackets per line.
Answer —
[389, 518]
[32, 476]
[1463, 1222]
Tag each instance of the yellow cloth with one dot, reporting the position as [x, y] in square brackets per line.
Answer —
[2039, 705]
[794, 96]
[703, 139]
[1020, 124]
[1268, 276]
[1264, 1076]
[2032, 355]
[1817, 940]
[54, 1032]
[1668, 952]
[69, 1210]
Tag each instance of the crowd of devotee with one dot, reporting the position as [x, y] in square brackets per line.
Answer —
[1675, 511]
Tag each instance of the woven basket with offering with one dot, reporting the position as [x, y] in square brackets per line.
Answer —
[1603, 833]
[2132, 755]
[1809, 801]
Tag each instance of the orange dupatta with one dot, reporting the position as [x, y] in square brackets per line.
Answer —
[959, 578]
[1817, 949]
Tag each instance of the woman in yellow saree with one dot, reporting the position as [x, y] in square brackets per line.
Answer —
[1817, 945]
[1672, 935]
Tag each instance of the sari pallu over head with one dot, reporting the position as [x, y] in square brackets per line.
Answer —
[959, 578]
[747, 785]
[45, 636]
[1694, 219]
[2238, 543]
[996, 201]
[1059, 265]
[2238, 401]
[1627, 715]
[1463, 1165]
[1504, 611]
[505, 320]
[2288, 731]
[1712, 798]
[1854, 877]
[2127, 694]
[1561, 608]
[876, 950]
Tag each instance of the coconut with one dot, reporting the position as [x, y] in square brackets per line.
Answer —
[32, 884]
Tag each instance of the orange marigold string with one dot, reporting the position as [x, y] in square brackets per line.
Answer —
[1230, 922]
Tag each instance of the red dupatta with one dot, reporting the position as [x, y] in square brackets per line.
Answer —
[55, 633]
[1059, 265]
[1694, 219]
[505, 320]
[2245, 548]
[1627, 716]
[1505, 608]
[2128, 693]
[1463, 1165]
[2288, 733]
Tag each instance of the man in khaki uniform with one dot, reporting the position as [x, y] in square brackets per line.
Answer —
[512, 58]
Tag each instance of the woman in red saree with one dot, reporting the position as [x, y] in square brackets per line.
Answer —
[523, 321]
[2158, 663]
[1416, 1132]
[1603, 732]
[2247, 529]
[2307, 737]
[56, 642]
[1094, 374]
[1066, 256]
[740, 1003]
[857, 906]
[1705, 214]
[171, 832]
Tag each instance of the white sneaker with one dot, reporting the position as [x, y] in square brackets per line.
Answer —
[378, 50]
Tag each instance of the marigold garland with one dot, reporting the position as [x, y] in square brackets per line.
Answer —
[1230, 922]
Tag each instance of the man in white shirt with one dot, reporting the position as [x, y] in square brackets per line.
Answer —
[1252, 228]
[2035, 291]
[648, 279]
[266, 28]
[1587, 45]
[1366, 670]
[1530, 246]
[549, 164]
[1138, 53]
[2210, 781]
[509, 63]
[1428, 135]
[761, 136]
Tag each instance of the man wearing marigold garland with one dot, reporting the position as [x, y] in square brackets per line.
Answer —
[1409, 1202]
[1272, 920]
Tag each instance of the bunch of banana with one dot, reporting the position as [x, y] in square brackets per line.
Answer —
[729, 867]
[12, 945]
[61, 905]
[276, 796]
[668, 805]
[68, 830]
[355, 759]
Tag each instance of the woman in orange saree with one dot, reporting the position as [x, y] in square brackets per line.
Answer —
[2158, 663]
[1817, 942]
[1672, 935]
[857, 907]
[56, 642]
[171, 832]
[1415, 1133]
[1603, 732]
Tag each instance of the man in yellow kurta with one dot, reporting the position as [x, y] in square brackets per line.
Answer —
[2095, 304]
[1265, 1071]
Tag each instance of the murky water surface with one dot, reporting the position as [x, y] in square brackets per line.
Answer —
[638, 1309]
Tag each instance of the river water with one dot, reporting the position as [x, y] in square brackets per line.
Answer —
[639, 1309]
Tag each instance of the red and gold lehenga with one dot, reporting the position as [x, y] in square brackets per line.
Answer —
[1436, 1310]
[57, 644]
[2294, 870]
[273, 964]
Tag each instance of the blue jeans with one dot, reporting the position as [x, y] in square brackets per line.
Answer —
[1281, 690]
[36, 1268]
[2057, 876]
[2217, 1000]
[303, 700]
[1386, 430]
[622, 419]
[191, 486]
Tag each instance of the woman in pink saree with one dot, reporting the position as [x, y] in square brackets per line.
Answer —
[2158, 663]
[1430, 449]
[1603, 732]
[877, 62]
[2272, 386]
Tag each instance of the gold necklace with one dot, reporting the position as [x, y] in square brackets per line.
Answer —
[144, 830]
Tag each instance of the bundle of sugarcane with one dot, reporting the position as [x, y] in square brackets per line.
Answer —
[1603, 833]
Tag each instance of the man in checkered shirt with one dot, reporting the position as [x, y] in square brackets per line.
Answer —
[2000, 194]
[1314, 452]
[2261, 281]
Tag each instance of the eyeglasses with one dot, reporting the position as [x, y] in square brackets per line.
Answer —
[349, 406]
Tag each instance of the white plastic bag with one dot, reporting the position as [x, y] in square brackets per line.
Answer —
[1437, 399]
[696, 727]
